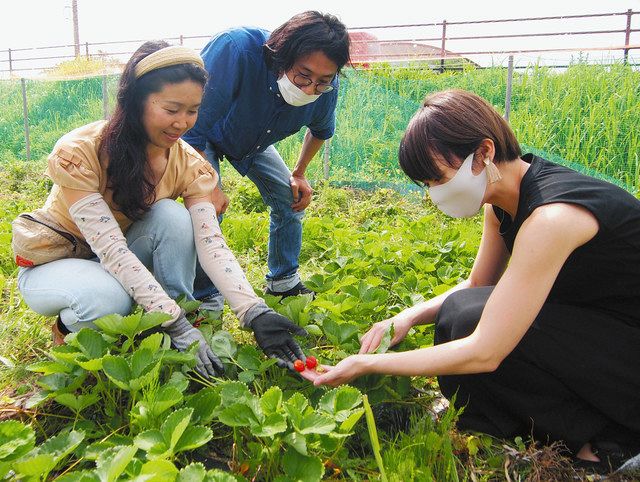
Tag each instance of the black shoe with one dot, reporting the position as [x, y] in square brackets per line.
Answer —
[299, 289]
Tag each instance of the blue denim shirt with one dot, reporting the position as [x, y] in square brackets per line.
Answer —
[242, 111]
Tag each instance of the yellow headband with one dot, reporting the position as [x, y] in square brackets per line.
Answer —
[173, 55]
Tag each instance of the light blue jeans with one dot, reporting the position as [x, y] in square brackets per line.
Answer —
[271, 176]
[81, 290]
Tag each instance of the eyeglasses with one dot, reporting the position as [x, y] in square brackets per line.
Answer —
[301, 80]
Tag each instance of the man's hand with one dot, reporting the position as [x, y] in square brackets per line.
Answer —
[219, 200]
[183, 335]
[301, 190]
[273, 334]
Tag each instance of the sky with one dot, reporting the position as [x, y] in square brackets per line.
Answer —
[33, 23]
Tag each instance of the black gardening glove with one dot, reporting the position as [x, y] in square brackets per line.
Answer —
[273, 333]
[183, 335]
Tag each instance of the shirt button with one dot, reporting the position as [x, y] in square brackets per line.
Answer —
[268, 131]
[278, 95]
[257, 147]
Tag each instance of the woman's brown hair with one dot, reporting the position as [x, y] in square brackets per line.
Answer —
[448, 127]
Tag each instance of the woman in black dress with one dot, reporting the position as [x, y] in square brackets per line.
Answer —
[543, 338]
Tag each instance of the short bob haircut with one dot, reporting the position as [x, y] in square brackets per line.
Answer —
[303, 34]
[448, 127]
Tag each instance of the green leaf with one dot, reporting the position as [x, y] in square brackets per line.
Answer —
[238, 415]
[158, 471]
[273, 424]
[91, 343]
[193, 437]
[36, 465]
[298, 401]
[55, 381]
[233, 392]
[217, 475]
[79, 476]
[152, 342]
[271, 400]
[49, 367]
[339, 332]
[340, 402]
[175, 425]
[165, 397]
[44, 458]
[350, 422]
[195, 472]
[93, 365]
[150, 376]
[385, 343]
[443, 288]
[205, 404]
[151, 320]
[150, 440]
[141, 359]
[314, 330]
[118, 371]
[373, 437]
[314, 422]
[246, 377]
[112, 463]
[62, 444]
[249, 358]
[300, 467]
[223, 345]
[298, 441]
[110, 324]
[77, 403]
[16, 439]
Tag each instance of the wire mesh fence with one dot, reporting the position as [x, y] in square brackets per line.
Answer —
[586, 115]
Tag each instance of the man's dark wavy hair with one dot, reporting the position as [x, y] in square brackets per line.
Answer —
[303, 34]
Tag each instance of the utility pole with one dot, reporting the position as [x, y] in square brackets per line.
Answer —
[76, 32]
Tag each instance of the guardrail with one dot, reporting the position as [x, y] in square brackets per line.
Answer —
[371, 49]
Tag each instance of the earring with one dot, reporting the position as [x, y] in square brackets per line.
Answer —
[493, 173]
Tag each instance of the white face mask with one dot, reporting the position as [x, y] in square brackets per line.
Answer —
[292, 94]
[461, 196]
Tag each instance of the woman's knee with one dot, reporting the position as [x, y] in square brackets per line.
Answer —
[167, 221]
[81, 289]
[459, 314]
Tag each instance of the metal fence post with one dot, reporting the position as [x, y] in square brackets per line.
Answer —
[25, 114]
[442, 50]
[10, 64]
[181, 39]
[507, 98]
[105, 98]
[627, 35]
[325, 158]
[86, 49]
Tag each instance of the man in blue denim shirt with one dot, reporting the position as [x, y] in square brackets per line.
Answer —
[263, 88]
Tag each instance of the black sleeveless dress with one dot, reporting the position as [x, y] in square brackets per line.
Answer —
[575, 375]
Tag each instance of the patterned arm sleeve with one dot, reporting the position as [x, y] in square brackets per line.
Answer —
[221, 265]
[97, 224]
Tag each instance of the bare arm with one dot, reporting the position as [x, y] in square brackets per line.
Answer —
[489, 264]
[508, 314]
[300, 187]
